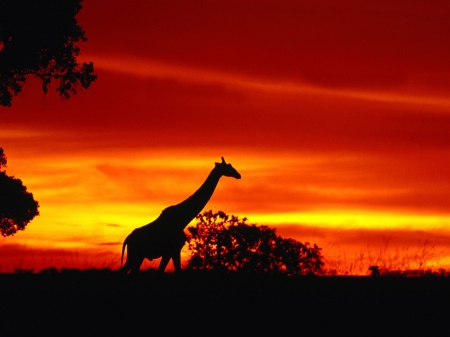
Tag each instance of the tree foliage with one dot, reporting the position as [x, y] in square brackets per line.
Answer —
[228, 243]
[2, 158]
[17, 205]
[39, 38]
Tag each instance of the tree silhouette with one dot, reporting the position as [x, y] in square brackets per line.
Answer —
[38, 38]
[2, 158]
[229, 244]
[17, 205]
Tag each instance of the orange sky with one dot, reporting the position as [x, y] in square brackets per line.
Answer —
[336, 114]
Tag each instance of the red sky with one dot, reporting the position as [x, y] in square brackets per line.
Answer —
[336, 114]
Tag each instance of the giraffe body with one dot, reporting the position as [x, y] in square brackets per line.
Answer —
[165, 236]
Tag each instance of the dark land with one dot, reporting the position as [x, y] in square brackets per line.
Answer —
[208, 304]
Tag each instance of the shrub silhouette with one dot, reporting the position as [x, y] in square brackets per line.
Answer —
[17, 205]
[49, 270]
[228, 244]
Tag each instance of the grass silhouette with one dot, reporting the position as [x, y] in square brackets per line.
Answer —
[86, 300]
[423, 260]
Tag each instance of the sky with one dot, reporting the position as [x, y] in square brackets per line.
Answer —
[336, 114]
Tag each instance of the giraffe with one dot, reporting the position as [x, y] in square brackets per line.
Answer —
[164, 237]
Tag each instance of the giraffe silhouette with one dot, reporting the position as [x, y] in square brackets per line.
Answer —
[165, 236]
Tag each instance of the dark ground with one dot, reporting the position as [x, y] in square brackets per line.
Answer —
[202, 304]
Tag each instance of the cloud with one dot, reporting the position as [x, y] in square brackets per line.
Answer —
[123, 111]
[110, 243]
[350, 72]
[113, 225]
[343, 44]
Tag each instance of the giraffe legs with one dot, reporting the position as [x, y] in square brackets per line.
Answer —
[163, 264]
[132, 265]
[135, 266]
[176, 260]
[134, 261]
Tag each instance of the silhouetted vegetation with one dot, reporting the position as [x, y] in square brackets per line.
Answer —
[39, 38]
[17, 205]
[49, 270]
[414, 273]
[3, 160]
[72, 271]
[227, 243]
[23, 271]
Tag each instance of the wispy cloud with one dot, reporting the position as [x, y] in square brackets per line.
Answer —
[109, 243]
[148, 68]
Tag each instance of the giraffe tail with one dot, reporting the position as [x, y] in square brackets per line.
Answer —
[123, 250]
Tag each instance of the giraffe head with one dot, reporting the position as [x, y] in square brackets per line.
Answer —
[227, 170]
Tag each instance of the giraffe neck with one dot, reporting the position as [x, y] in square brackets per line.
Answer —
[187, 210]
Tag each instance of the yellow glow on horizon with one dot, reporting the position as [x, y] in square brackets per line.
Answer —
[82, 194]
[355, 219]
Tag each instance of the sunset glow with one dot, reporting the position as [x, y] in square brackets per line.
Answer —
[336, 114]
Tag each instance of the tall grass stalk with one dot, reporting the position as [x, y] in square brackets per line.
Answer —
[421, 260]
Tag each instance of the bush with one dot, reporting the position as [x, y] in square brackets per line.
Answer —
[226, 243]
